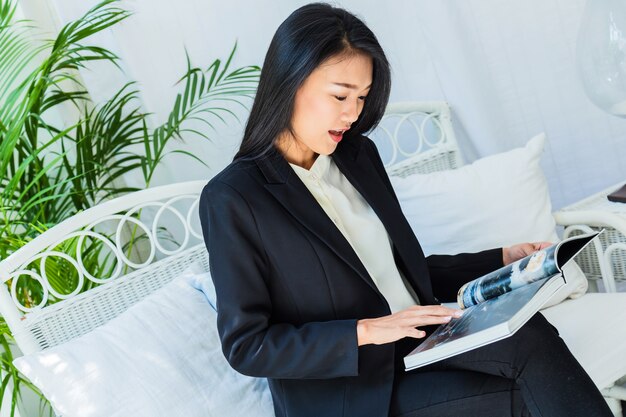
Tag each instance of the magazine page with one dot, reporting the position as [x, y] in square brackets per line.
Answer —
[483, 323]
[541, 264]
[527, 270]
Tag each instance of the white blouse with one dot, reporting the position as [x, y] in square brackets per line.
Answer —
[361, 227]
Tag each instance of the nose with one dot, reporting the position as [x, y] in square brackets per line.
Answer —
[351, 113]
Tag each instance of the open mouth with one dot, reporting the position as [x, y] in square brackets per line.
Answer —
[336, 135]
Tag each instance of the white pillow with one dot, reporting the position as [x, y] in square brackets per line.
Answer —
[497, 201]
[162, 357]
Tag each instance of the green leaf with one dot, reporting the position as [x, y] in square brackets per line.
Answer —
[189, 154]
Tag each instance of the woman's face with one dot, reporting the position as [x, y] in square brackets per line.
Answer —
[325, 106]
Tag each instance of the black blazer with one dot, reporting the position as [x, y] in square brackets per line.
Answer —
[290, 288]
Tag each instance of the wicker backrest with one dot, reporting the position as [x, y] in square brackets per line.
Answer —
[417, 137]
[62, 317]
[133, 274]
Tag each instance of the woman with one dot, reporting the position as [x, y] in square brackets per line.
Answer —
[322, 286]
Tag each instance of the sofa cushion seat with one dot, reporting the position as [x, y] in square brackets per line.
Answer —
[594, 328]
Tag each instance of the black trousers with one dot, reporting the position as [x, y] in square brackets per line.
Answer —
[531, 373]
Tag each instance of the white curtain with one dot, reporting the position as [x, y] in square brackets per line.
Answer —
[506, 68]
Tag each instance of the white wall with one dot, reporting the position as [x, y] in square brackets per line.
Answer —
[506, 67]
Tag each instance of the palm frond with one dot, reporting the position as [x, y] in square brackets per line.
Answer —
[16, 54]
[49, 171]
[68, 54]
[202, 91]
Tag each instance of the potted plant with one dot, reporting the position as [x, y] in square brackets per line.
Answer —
[49, 171]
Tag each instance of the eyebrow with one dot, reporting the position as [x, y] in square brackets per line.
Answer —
[351, 86]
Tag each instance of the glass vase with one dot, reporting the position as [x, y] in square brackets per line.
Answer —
[601, 54]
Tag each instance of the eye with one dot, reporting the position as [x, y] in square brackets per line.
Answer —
[340, 98]
[363, 98]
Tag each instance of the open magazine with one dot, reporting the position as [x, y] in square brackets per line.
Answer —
[499, 303]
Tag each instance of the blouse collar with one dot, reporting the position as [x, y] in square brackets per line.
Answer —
[319, 169]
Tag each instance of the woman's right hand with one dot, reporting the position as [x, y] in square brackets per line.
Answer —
[402, 324]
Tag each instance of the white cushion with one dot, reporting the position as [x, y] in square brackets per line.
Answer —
[594, 328]
[162, 357]
[497, 201]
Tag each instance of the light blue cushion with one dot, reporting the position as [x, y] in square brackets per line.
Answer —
[201, 280]
[162, 357]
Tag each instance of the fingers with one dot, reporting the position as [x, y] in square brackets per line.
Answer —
[521, 250]
[527, 249]
[425, 320]
[543, 245]
[435, 310]
[536, 246]
[425, 315]
[415, 333]
[404, 323]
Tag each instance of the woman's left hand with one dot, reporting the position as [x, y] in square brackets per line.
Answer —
[522, 250]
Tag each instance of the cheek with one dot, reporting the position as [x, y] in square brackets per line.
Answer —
[361, 107]
[313, 113]
[321, 106]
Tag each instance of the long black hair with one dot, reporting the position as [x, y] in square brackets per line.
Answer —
[309, 36]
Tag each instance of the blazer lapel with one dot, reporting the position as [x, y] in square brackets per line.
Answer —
[357, 168]
[289, 190]
[355, 164]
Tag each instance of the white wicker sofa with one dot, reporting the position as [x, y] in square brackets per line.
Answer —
[585, 323]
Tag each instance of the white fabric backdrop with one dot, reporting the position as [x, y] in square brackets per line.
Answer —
[506, 68]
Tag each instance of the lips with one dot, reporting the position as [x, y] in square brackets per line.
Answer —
[336, 135]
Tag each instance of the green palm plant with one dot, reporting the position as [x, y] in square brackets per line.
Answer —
[49, 172]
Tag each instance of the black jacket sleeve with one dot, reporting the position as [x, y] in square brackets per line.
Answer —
[449, 272]
[241, 271]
